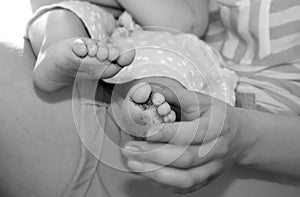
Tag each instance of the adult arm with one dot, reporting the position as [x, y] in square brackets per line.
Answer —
[275, 142]
[185, 156]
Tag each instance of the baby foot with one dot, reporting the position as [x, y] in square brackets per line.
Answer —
[101, 60]
[84, 58]
[146, 108]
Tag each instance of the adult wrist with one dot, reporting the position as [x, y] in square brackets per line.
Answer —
[246, 135]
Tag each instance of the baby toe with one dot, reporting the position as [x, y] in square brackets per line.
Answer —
[158, 99]
[140, 93]
[164, 109]
[102, 53]
[127, 54]
[171, 117]
[92, 47]
[79, 48]
[113, 53]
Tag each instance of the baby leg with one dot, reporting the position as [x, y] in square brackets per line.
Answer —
[63, 48]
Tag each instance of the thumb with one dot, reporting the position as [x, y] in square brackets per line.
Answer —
[186, 100]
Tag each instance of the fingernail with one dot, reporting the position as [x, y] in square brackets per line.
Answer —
[151, 133]
[154, 130]
[135, 165]
[157, 87]
[83, 48]
[132, 148]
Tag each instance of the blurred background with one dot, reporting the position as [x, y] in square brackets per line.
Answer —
[13, 17]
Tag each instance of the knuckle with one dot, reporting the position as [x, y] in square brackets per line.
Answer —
[225, 147]
[186, 182]
[207, 180]
[184, 191]
[161, 176]
[201, 133]
[187, 159]
[209, 177]
[226, 126]
[155, 175]
[180, 191]
[164, 135]
[152, 155]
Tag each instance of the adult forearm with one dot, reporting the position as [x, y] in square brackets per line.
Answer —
[188, 16]
[272, 142]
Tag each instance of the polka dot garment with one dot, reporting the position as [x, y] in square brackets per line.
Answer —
[182, 57]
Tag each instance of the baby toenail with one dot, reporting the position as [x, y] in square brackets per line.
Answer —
[92, 50]
[93, 46]
[158, 99]
[172, 116]
[114, 50]
[140, 93]
[102, 53]
[79, 41]
[113, 54]
[166, 119]
[83, 48]
[164, 109]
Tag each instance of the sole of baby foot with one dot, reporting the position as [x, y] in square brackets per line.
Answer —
[103, 59]
[147, 108]
[60, 63]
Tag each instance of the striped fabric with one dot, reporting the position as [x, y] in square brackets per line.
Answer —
[260, 40]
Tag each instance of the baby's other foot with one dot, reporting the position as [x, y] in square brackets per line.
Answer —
[102, 60]
[147, 108]
[84, 58]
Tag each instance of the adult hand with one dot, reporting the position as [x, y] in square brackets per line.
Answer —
[185, 156]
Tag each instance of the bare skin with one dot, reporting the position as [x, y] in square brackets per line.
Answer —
[40, 145]
[193, 17]
[38, 136]
[85, 58]
[41, 148]
[64, 55]
[67, 49]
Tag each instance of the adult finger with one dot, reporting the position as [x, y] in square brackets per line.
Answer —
[176, 156]
[188, 101]
[181, 179]
[184, 133]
